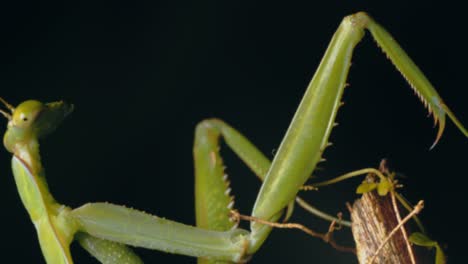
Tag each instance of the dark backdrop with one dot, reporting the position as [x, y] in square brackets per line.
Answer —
[142, 75]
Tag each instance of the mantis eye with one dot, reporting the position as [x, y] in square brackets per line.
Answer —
[24, 118]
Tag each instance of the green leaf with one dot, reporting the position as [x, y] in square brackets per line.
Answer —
[421, 239]
[384, 187]
[440, 257]
[366, 187]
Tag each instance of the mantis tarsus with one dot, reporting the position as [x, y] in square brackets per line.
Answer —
[101, 227]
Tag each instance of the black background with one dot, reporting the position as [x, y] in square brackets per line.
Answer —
[142, 75]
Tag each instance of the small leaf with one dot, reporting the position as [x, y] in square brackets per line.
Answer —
[366, 187]
[384, 187]
[440, 257]
[421, 239]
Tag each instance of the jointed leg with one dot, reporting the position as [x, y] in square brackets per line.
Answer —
[213, 201]
[308, 133]
[297, 157]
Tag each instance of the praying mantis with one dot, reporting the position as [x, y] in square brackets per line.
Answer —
[102, 228]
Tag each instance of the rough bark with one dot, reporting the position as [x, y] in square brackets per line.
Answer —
[373, 218]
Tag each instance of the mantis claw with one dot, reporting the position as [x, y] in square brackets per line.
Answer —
[414, 76]
[439, 119]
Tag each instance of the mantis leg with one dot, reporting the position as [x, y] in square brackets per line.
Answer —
[308, 133]
[128, 226]
[297, 156]
[132, 227]
[212, 200]
[211, 191]
[107, 252]
[215, 236]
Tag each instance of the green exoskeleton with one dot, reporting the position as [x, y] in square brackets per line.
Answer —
[29, 122]
[103, 228]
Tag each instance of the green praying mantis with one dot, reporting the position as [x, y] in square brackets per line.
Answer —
[104, 229]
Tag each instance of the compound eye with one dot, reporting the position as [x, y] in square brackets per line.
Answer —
[24, 118]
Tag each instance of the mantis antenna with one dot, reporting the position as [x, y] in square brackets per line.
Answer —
[9, 106]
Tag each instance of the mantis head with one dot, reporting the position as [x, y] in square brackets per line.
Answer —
[32, 120]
